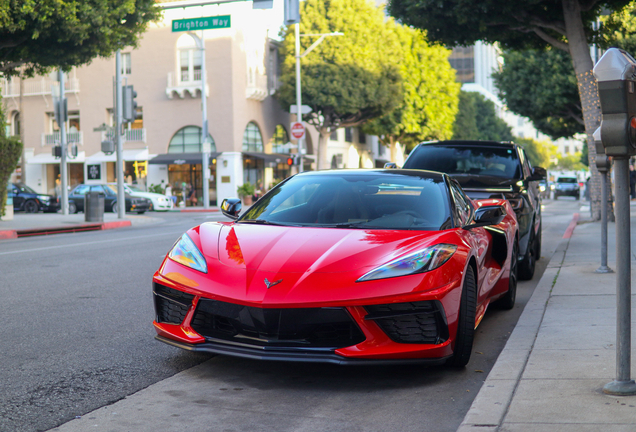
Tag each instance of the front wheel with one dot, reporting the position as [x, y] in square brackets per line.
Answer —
[526, 268]
[466, 322]
[508, 300]
[114, 208]
[72, 208]
[31, 207]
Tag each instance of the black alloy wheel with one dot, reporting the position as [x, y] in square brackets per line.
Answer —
[466, 322]
[526, 268]
[507, 302]
[114, 207]
[72, 208]
[31, 206]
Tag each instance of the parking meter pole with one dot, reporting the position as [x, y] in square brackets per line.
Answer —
[121, 197]
[62, 126]
[205, 154]
[623, 384]
[299, 112]
[604, 268]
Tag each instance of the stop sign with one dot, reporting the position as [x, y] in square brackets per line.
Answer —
[298, 130]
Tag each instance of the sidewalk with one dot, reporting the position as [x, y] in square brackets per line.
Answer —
[29, 224]
[551, 373]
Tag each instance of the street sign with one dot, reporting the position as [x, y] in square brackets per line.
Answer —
[203, 23]
[306, 109]
[297, 130]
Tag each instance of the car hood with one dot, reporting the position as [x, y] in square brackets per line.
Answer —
[149, 195]
[316, 250]
[487, 182]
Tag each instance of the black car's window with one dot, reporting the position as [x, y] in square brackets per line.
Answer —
[24, 188]
[81, 190]
[462, 205]
[489, 161]
[97, 188]
[567, 180]
[526, 164]
[379, 201]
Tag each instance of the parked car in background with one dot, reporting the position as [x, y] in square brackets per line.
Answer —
[27, 200]
[133, 204]
[491, 169]
[567, 186]
[159, 202]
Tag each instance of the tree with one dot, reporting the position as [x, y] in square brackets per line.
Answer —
[10, 152]
[478, 120]
[567, 25]
[539, 153]
[541, 85]
[346, 80]
[430, 94]
[39, 34]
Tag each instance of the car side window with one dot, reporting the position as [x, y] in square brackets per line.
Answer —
[527, 171]
[81, 190]
[97, 188]
[462, 206]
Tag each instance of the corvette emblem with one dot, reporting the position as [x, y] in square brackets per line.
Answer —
[269, 284]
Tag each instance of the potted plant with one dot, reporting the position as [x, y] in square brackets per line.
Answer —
[245, 192]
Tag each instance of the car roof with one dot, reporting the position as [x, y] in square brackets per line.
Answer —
[470, 143]
[380, 171]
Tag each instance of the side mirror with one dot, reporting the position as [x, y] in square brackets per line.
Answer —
[390, 165]
[485, 216]
[231, 207]
[538, 173]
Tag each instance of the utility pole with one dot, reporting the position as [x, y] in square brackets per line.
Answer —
[299, 113]
[121, 195]
[62, 125]
[205, 144]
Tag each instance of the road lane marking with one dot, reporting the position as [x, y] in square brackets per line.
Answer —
[89, 243]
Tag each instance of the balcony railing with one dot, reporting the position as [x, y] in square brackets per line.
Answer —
[131, 135]
[181, 86]
[256, 86]
[54, 138]
[37, 86]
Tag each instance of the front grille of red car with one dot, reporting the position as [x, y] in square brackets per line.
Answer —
[416, 322]
[303, 327]
[171, 305]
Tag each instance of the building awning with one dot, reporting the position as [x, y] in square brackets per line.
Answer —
[179, 158]
[268, 157]
[129, 155]
[48, 158]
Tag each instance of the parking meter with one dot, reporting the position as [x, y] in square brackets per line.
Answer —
[602, 160]
[616, 72]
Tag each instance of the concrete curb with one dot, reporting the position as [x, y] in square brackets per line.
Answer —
[12, 234]
[491, 405]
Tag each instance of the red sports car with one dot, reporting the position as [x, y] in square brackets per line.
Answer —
[348, 267]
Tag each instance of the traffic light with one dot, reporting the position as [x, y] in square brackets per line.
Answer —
[262, 4]
[57, 151]
[292, 12]
[293, 160]
[129, 111]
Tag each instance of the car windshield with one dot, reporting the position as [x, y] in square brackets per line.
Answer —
[567, 180]
[24, 188]
[458, 160]
[366, 201]
[110, 188]
[134, 189]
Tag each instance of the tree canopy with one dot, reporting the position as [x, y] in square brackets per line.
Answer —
[539, 152]
[39, 34]
[430, 94]
[477, 120]
[346, 80]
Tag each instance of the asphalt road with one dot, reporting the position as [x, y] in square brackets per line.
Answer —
[77, 335]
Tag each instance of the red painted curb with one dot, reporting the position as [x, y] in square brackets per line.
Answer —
[570, 230]
[8, 234]
[115, 224]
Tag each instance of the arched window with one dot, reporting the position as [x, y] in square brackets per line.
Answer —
[252, 138]
[189, 58]
[188, 140]
[280, 137]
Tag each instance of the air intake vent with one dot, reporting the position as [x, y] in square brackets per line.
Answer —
[416, 322]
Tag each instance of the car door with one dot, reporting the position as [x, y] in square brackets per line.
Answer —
[534, 195]
[14, 192]
[77, 196]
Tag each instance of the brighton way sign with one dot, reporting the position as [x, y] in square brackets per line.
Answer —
[204, 23]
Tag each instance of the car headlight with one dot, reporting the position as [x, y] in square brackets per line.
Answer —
[185, 252]
[44, 198]
[421, 261]
[542, 188]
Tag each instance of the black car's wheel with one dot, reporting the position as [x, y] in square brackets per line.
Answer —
[114, 207]
[537, 242]
[72, 208]
[31, 207]
[526, 268]
[141, 212]
[466, 321]
[508, 300]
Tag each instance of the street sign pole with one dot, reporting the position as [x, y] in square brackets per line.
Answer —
[121, 197]
[299, 112]
[62, 126]
[205, 154]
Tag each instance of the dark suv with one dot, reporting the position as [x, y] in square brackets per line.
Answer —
[488, 169]
[28, 200]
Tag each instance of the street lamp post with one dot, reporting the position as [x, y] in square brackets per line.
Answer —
[299, 112]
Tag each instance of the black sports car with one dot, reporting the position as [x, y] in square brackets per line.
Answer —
[28, 200]
[491, 169]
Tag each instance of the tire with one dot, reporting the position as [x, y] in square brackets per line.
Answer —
[526, 268]
[114, 207]
[466, 322]
[537, 249]
[507, 302]
[31, 207]
[72, 208]
[141, 212]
